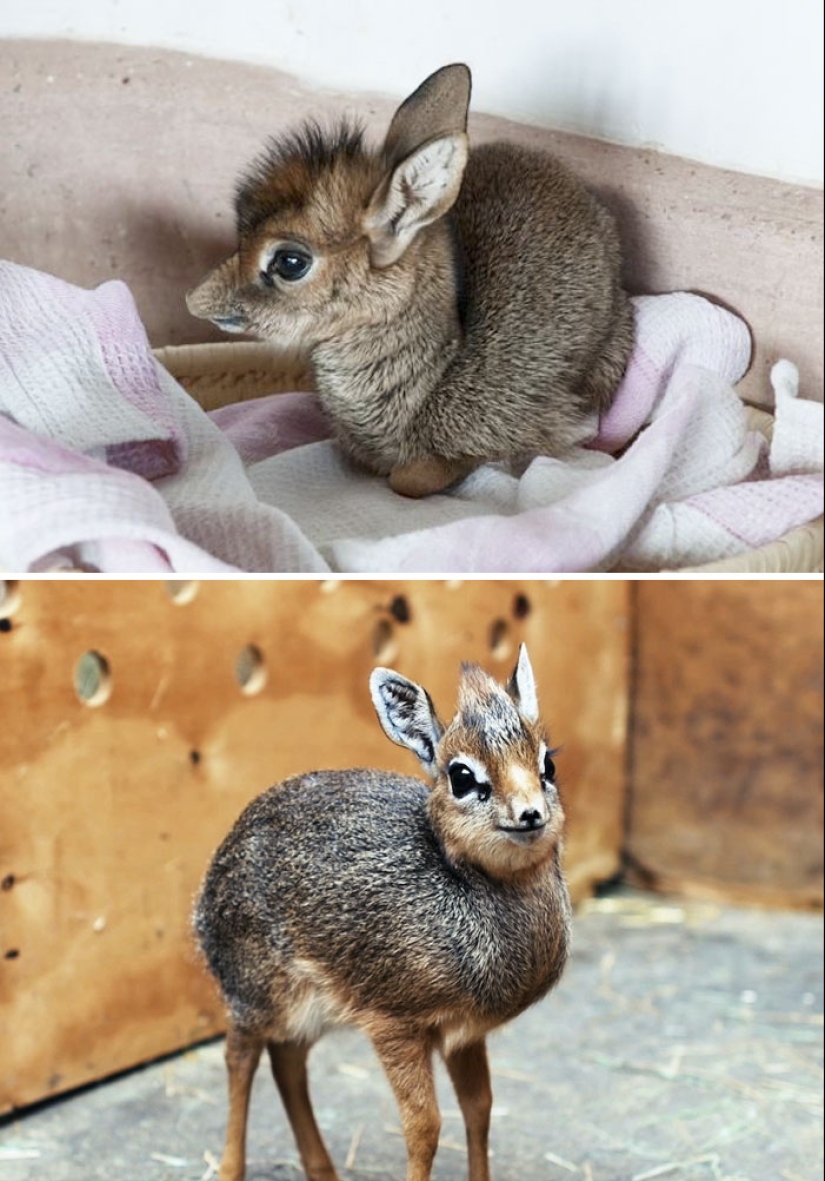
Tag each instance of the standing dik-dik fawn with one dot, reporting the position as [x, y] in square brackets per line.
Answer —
[425, 914]
[457, 306]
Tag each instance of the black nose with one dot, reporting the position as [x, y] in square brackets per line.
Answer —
[531, 818]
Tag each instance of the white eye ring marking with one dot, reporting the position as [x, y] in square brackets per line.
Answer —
[550, 784]
[478, 769]
[268, 253]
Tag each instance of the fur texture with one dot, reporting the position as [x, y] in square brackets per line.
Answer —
[460, 307]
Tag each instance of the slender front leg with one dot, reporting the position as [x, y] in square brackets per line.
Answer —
[470, 1072]
[407, 1060]
[289, 1066]
[243, 1053]
[423, 477]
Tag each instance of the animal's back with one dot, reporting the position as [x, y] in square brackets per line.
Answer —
[546, 321]
[342, 874]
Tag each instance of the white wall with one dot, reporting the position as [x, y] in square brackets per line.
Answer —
[736, 83]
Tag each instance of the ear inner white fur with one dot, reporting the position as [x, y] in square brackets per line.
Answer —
[420, 190]
[523, 686]
[406, 714]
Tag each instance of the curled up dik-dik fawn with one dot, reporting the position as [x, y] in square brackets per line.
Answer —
[425, 913]
[457, 305]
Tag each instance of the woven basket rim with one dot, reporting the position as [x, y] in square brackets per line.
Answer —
[801, 550]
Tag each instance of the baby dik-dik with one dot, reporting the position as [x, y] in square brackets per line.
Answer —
[426, 914]
[457, 306]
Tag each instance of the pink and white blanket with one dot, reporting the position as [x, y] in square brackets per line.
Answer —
[107, 464]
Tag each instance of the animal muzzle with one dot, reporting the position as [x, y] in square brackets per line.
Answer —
[529, 826]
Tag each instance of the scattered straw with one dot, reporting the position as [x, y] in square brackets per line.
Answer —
[353, 1071]
[453, 1146]
[355, 1144]
[677, 1167]
[561, 1162]
[212, 1166]
[517, 1076]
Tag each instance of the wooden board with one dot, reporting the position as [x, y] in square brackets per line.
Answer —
[110, 811]
[148, 197]
[726, 785]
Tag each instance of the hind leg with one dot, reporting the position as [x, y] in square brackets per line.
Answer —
[243, 1053]
[289, 1067]
[599, 386]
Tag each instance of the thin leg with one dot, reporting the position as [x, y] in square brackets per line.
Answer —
[423, 477]
[470, 1073]
[408, 1065]
[289, 1066]
[243, 1053]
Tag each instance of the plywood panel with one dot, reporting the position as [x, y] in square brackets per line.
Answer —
[110, 811]
[726, 791]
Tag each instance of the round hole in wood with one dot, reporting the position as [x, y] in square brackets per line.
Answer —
[384, 643]
[13, 954]
[521, 606]
[400, 609]
[500, 643]
[9, 597]
[8, 882]
[182, 590]
[93, 679]
[6, 625]
[250, 670]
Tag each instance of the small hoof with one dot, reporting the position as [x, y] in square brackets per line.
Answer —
[424, 477]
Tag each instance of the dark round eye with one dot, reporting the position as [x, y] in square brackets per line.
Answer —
[462, 781]
[288, 263]
[549, 769]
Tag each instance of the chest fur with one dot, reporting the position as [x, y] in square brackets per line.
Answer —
[374, 382]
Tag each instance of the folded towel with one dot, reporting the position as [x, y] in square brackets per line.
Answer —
[672, 331]
[87, 418]
[721, 522]
[75, 366]
[798, 428]
[77, 373]
[67, 511]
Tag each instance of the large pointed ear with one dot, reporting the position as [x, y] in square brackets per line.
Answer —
[214, 298]
[422, 188]
[437, 108]
[406, 714]
[426, 149]
[522, 687]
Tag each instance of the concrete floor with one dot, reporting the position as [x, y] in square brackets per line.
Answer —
[684, 1042]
